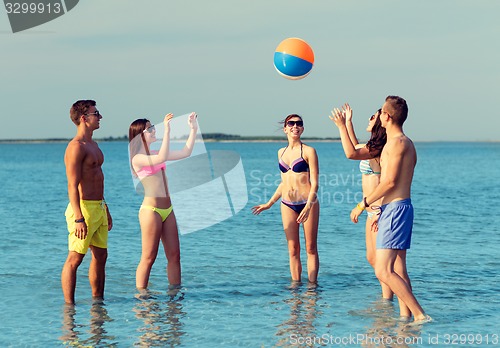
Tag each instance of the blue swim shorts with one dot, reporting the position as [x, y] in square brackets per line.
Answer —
[395, 225]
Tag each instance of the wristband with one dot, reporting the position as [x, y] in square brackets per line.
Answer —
[80, 220]
[365, 203]
[360, 207]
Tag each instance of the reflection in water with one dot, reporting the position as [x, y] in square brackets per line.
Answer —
[162, 319]
[303, 313]
[77, 335]
[388, 331]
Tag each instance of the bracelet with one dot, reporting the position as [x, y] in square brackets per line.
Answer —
[360, 207]
[80, 220]
[365, 202]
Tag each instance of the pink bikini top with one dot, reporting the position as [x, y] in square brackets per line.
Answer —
[150, 170]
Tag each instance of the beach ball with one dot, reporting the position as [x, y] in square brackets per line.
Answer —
[293, 58]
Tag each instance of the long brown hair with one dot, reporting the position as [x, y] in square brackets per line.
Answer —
[136, 143]
[378, 137]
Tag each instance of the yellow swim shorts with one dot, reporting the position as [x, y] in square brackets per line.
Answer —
[96, 219]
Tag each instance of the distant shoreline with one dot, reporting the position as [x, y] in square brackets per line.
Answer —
[225, 138]
[209, 137]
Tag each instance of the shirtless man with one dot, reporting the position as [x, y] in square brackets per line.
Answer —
[398, 160]
[87, 214]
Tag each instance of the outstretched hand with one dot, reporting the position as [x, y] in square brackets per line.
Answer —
[166, 121]
[192, 120]
[256, 210]
[338, 117]
[346, 108]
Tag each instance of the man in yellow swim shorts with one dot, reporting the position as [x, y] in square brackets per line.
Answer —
[87, 214]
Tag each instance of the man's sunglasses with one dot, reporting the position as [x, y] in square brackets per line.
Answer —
[93, 113]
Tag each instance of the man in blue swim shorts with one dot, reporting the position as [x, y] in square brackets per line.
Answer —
[87, 214]
[397, 161]
[395, 225]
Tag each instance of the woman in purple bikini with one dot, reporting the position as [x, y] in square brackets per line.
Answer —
[298, 190]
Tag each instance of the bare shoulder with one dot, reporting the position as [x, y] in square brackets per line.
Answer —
[399, 144]
[75, 146]
[308, 151]
[406, 143]
[280, 151]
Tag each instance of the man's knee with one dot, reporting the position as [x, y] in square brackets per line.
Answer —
[74, 259]
[382, 273]
[99, 254]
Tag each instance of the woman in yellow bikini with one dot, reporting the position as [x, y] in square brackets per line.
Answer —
[156, 217]
[369, 166]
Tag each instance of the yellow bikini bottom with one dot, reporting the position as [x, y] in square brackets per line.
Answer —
[163, 212]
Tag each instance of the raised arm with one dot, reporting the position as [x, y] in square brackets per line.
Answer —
[188, 148]
[350, 150]
[143, 160]
[346, 108]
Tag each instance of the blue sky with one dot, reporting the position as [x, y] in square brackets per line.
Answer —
[148, 58]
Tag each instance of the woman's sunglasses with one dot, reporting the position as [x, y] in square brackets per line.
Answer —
[149, 129]
[293, 123]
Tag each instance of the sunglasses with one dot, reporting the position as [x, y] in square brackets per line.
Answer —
[293, 123]
[372, 117]
[97, 113]
[150, 129]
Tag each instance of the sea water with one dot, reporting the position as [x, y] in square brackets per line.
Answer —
[236, 287]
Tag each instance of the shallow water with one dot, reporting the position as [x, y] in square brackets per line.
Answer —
[236, 286]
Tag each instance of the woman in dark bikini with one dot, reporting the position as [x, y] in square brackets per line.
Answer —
[156, 216]
[298, 189]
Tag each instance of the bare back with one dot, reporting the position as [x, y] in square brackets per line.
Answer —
[397, 161]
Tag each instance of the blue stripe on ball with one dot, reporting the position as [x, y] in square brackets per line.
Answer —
[290, 65]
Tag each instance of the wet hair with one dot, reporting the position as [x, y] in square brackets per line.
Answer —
[397, 108]
[80, 108]
[378, 138]
[289, 117]
[136, 143]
